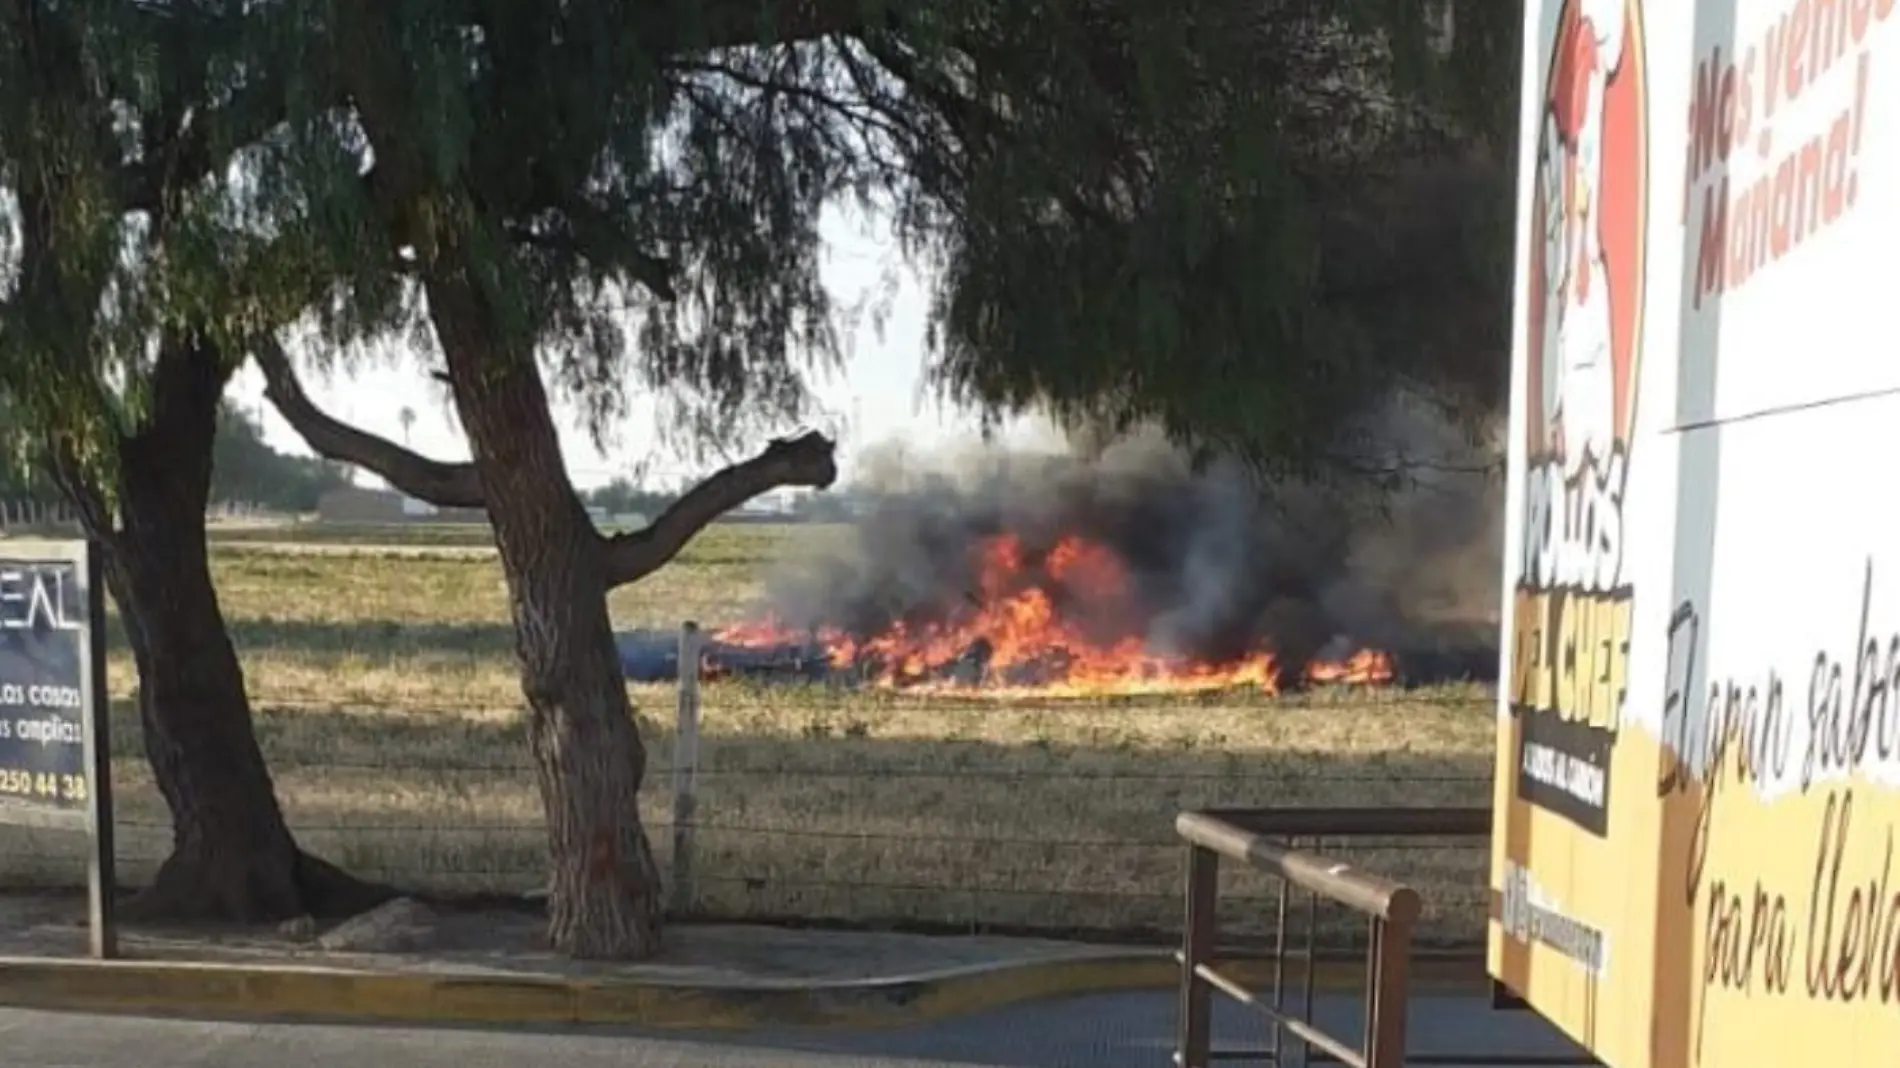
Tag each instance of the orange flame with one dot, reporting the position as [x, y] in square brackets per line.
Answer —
[1024, 631]
[1365, 667]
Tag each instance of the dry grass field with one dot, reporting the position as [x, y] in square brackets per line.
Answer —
[380, 664]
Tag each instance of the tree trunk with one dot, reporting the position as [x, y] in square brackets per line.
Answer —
[233, 856]
[604, 895]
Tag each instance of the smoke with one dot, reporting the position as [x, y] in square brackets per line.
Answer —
[1216, 565]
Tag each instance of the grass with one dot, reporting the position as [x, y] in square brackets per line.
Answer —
[380, 660]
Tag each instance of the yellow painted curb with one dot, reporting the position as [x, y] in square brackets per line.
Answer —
[241, 990]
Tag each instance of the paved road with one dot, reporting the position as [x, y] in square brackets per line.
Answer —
[1121, 1031]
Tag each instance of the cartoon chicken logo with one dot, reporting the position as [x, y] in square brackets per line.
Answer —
[1587, 251]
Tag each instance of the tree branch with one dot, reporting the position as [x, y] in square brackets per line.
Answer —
[742, 23]
[443, 484]
[807, 460]
[581, 238]
[177, 155]
[80, 489]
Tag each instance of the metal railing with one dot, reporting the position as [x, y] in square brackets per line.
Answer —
[1267, 840]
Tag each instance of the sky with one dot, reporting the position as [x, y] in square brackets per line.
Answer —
[877, 398]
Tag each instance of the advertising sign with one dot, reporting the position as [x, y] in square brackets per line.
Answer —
[1698, 777]
[54, 770]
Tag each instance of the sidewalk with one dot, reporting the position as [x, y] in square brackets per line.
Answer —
[409, 937]
[408, 962]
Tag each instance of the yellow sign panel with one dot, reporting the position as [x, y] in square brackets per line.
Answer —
[1698, 777]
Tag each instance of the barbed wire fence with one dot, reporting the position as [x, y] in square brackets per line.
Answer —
[29, 515]
[936, 835]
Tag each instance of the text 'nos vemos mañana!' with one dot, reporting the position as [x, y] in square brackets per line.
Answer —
[1776, 138]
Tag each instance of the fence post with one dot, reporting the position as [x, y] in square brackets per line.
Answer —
[1194, 1034]
[686, 768]
[1388, 959]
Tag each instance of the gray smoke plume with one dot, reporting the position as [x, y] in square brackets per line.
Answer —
[1218, 565]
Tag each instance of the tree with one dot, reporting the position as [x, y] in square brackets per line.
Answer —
[623, 496]
[604, 892]
[245, 468]
[133, 279]
[1113, 194]
[22, 479]
[1320, 224]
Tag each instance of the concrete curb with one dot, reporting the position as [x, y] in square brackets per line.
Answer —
[314, 993]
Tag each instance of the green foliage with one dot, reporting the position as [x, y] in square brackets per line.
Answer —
[119, 124]
[22, 476]
[245, 469]
[623, 496]
[617, 195]
[1132, 206]
[60, 227]
[1167, 234]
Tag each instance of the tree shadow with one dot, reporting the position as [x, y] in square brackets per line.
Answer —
[1139, 1029]
[1045, 820]
[382, 637]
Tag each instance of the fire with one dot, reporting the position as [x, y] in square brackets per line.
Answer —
[1365, 667]
[1035, 624]
[758, 633]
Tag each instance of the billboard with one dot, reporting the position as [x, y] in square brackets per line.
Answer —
[1698, 772]
[55, 745]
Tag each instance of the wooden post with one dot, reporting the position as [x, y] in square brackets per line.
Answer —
[686, 768]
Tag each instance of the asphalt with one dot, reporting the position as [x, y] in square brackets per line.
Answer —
[1115, 1031]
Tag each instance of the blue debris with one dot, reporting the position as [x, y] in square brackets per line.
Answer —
[653, 656]
[648, 656]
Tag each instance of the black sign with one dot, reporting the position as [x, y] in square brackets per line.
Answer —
[1563, 766]
[45, 673]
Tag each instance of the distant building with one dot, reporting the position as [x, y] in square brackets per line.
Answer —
[358, 504]
[362, 504]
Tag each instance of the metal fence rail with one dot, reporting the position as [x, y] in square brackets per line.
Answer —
[1266, 840]
[1390, 908]
[947, 825]
[441, 802]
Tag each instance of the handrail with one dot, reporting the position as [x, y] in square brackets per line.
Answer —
[1392, 909]
[1472, 821]
[1332, 879]
[1263, 838]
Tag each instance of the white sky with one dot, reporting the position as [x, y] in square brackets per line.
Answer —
[877, 398]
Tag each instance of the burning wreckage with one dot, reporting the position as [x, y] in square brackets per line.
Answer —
[1122, 573]
[1013, 640]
